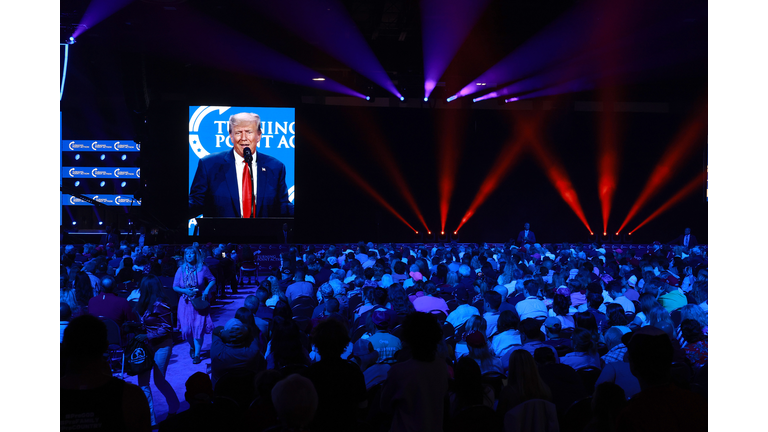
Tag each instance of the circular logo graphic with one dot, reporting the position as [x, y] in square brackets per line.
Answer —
[194, 126]
[71, 172]
[70, 145]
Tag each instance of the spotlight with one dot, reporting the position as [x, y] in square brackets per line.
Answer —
[74, 222]
[77, 157]
[318, 79]
[77, 183]
[101, 223]
[122, 184]
[71, 40]
[103, 157]
[511, 100]
[455, 232]
[452, 98]
[442, 232]
[417, 232]
[426, 99]
[123, 157]
[102, 184]
[370, 99]
[474, 100]
[402, 99]
[480, 84]
[429, 232]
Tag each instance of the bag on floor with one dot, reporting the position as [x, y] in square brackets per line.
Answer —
[139, 356]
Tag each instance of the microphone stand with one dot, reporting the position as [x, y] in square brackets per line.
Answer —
[248, 156]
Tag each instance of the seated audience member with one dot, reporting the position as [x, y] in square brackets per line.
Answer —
[430, 301]
[696, 349]
[299, 287]
[468, 387]
[233, 347]
[533, 337]
[339, 383]
[673, 409]
[523, 383]
[506, 338]
[415, 389]
[647, 302]
[492, 302]
[253, 305]
[616, 349]
[114, 263]
[289, 346]
[617, 318]
[609, 399]
[616, 291]
[276, 290]
[694, 312]
[531, 307]
[202, 413]
[264, 312]
[325, 292]
[108, 305]
[617, 369]
[401, 306]
[383, 342]
[89, 391]
[565, 383]
[552, 332]
[474, 323]
[65, 314]
[462, 313]
[561, 305]
[673, 298]
[295, 401]
[584, 350]
[594, 302]
[261, 415]
[481, 352]
[701, 294]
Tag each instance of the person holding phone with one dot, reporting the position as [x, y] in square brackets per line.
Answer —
[190, 277]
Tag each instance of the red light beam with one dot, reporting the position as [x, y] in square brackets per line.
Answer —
[684, 192]
[557, 175]
[449, 129]
[676, 153]
[381, 149]
[343, 166]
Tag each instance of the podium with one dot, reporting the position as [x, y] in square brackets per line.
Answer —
[239, 230]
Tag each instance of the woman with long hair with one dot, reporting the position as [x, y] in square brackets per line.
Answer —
[273, 285]
[584, 353]
[561, 306]
[696, 313]
[155, 314]
[647, 302]
[191, 276]
[523, 383]
[481, 352]
[617, 317]
[468, 388]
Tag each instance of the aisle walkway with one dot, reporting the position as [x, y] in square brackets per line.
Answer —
[180, 367]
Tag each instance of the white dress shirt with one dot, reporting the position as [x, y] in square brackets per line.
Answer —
[531, 307]
[240, 169]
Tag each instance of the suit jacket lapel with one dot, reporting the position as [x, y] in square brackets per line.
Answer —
[261, 181]
[231, 177]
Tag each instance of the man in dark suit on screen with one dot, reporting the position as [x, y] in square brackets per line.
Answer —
[221, 186]
[686, 240]
[526, 235]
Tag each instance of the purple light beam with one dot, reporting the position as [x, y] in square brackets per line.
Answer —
[327, 25]
[97, 11]
[444, 27]
[222, 47]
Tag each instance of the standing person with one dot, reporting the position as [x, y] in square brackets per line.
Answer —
[190, 276]
[155, 314]
[526, 236]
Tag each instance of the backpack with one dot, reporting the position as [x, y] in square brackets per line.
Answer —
[139, 357]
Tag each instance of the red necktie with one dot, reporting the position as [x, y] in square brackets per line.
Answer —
[247, 191]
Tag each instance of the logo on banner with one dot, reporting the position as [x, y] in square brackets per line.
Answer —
[96, 172]
[96, 146]
[124, 173]
[74, 172]
[121, 200]
[71, 144]
[137, 172]
[75, 200]
[119, 146]
[101, 200]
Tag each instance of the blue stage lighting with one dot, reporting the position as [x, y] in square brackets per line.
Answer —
[367, 98]
[123, 157]
[426, 99]
[452, 98]
[102, 184]
[101, 223]
[74, 222]
[122, 184]
[77, 183]
[402, 99]
[103, 157]
[77, 157]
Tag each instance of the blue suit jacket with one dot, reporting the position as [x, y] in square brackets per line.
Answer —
[214, 190]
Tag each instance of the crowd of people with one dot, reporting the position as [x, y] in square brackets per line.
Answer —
[397, 337]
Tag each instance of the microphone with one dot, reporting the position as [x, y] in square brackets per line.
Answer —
[247, 155]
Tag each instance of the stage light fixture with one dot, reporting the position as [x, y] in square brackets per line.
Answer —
[318, 79]
[370, 99]
[74, 222]
[103, 157]
[122, 184]
[77, 157]
[402, 99]
[480, 84]
[442, 232]
[452, 98]
[71, 40]
[123, 157]
[77, 183]
[101, 223]
[426, 99]
[511, 100]
[102, 184]
[429, 232]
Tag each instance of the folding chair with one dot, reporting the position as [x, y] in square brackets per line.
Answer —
[116, 352]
